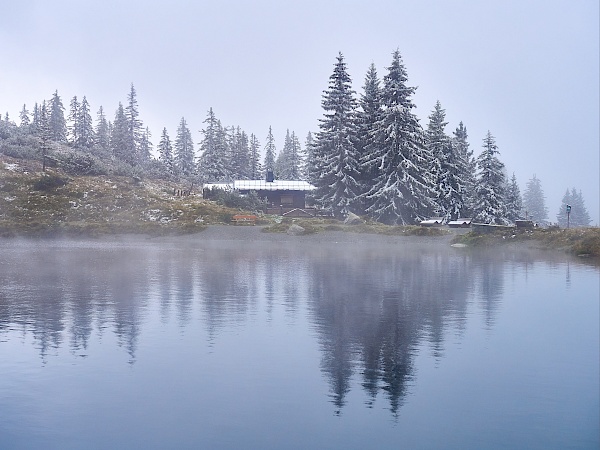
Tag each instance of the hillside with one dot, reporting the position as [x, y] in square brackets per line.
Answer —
[37, 203]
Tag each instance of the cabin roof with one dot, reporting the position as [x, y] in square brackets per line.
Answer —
[277, 185]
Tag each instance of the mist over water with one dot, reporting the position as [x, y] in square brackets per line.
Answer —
[189, 343]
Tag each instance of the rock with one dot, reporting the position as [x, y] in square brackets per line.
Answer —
[353, 219]
[295, 230]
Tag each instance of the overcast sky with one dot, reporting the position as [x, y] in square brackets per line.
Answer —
[527, 70]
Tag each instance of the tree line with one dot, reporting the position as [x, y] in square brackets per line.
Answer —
[370, 156]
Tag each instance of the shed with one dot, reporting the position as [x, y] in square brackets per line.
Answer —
[460, 223]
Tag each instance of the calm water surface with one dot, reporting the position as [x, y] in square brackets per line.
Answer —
[180, 343]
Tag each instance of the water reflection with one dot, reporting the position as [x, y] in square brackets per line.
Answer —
[373, 309]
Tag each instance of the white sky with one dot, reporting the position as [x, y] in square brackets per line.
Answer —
[527, 70]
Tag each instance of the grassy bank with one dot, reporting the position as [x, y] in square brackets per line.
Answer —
[578, 241]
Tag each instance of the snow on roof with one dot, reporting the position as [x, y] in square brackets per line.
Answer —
[262, 185]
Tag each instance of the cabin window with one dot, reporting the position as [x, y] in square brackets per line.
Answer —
[287, 199]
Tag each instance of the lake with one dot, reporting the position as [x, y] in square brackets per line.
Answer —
[296, 342]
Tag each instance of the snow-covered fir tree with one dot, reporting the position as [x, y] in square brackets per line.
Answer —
[255, 169]
[184, 149]
[73, 127]
[58, 124]
[213, 159]
[579, 216]
[514, 202]
[467, 167]
[118, 136]
[490, 204]
[335, 152]
[270, 152]
[368, 118]
[102, 131]
[401, 192]
[85, 127]
[447, 166]
[534, 201]
[165, 153]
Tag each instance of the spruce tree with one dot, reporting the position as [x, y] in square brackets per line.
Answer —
[514, 202]
[145, 150]
[255, 169]
[134, 125]
[58, 124]
[467, 167]
[335, 151]
[102, 131]
[24, 117]
[184, 149]
[446, 166]
[85, 128]
[118, 136]
[44, 132]
[270, 152]
[534, 201]
[368, 117]
[490, 204]
[73, 127]
[165, 153]
[308, 166]
[578, 216]
[213, 161]
[401, 192]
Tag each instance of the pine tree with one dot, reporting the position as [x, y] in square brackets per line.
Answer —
[73, 127]
[102, 131]
[270, 152]
[467, 166]
[255, 170]
[85, 128]
[165, 153]
[239, 154]
[534, 201]
[491, 185]
[212, 162]
[118, 136]
[578, 216]
[514, 202]
[184, 149]
[58, 124]
[401, 192]
[335, 151]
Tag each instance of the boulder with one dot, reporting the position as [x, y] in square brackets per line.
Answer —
[353, 219]
[295, 230]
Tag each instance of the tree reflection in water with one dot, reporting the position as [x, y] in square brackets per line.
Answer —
[373, 308]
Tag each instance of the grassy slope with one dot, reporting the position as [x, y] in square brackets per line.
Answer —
[39, 203]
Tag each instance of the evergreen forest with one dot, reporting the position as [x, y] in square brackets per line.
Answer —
[370, 155]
